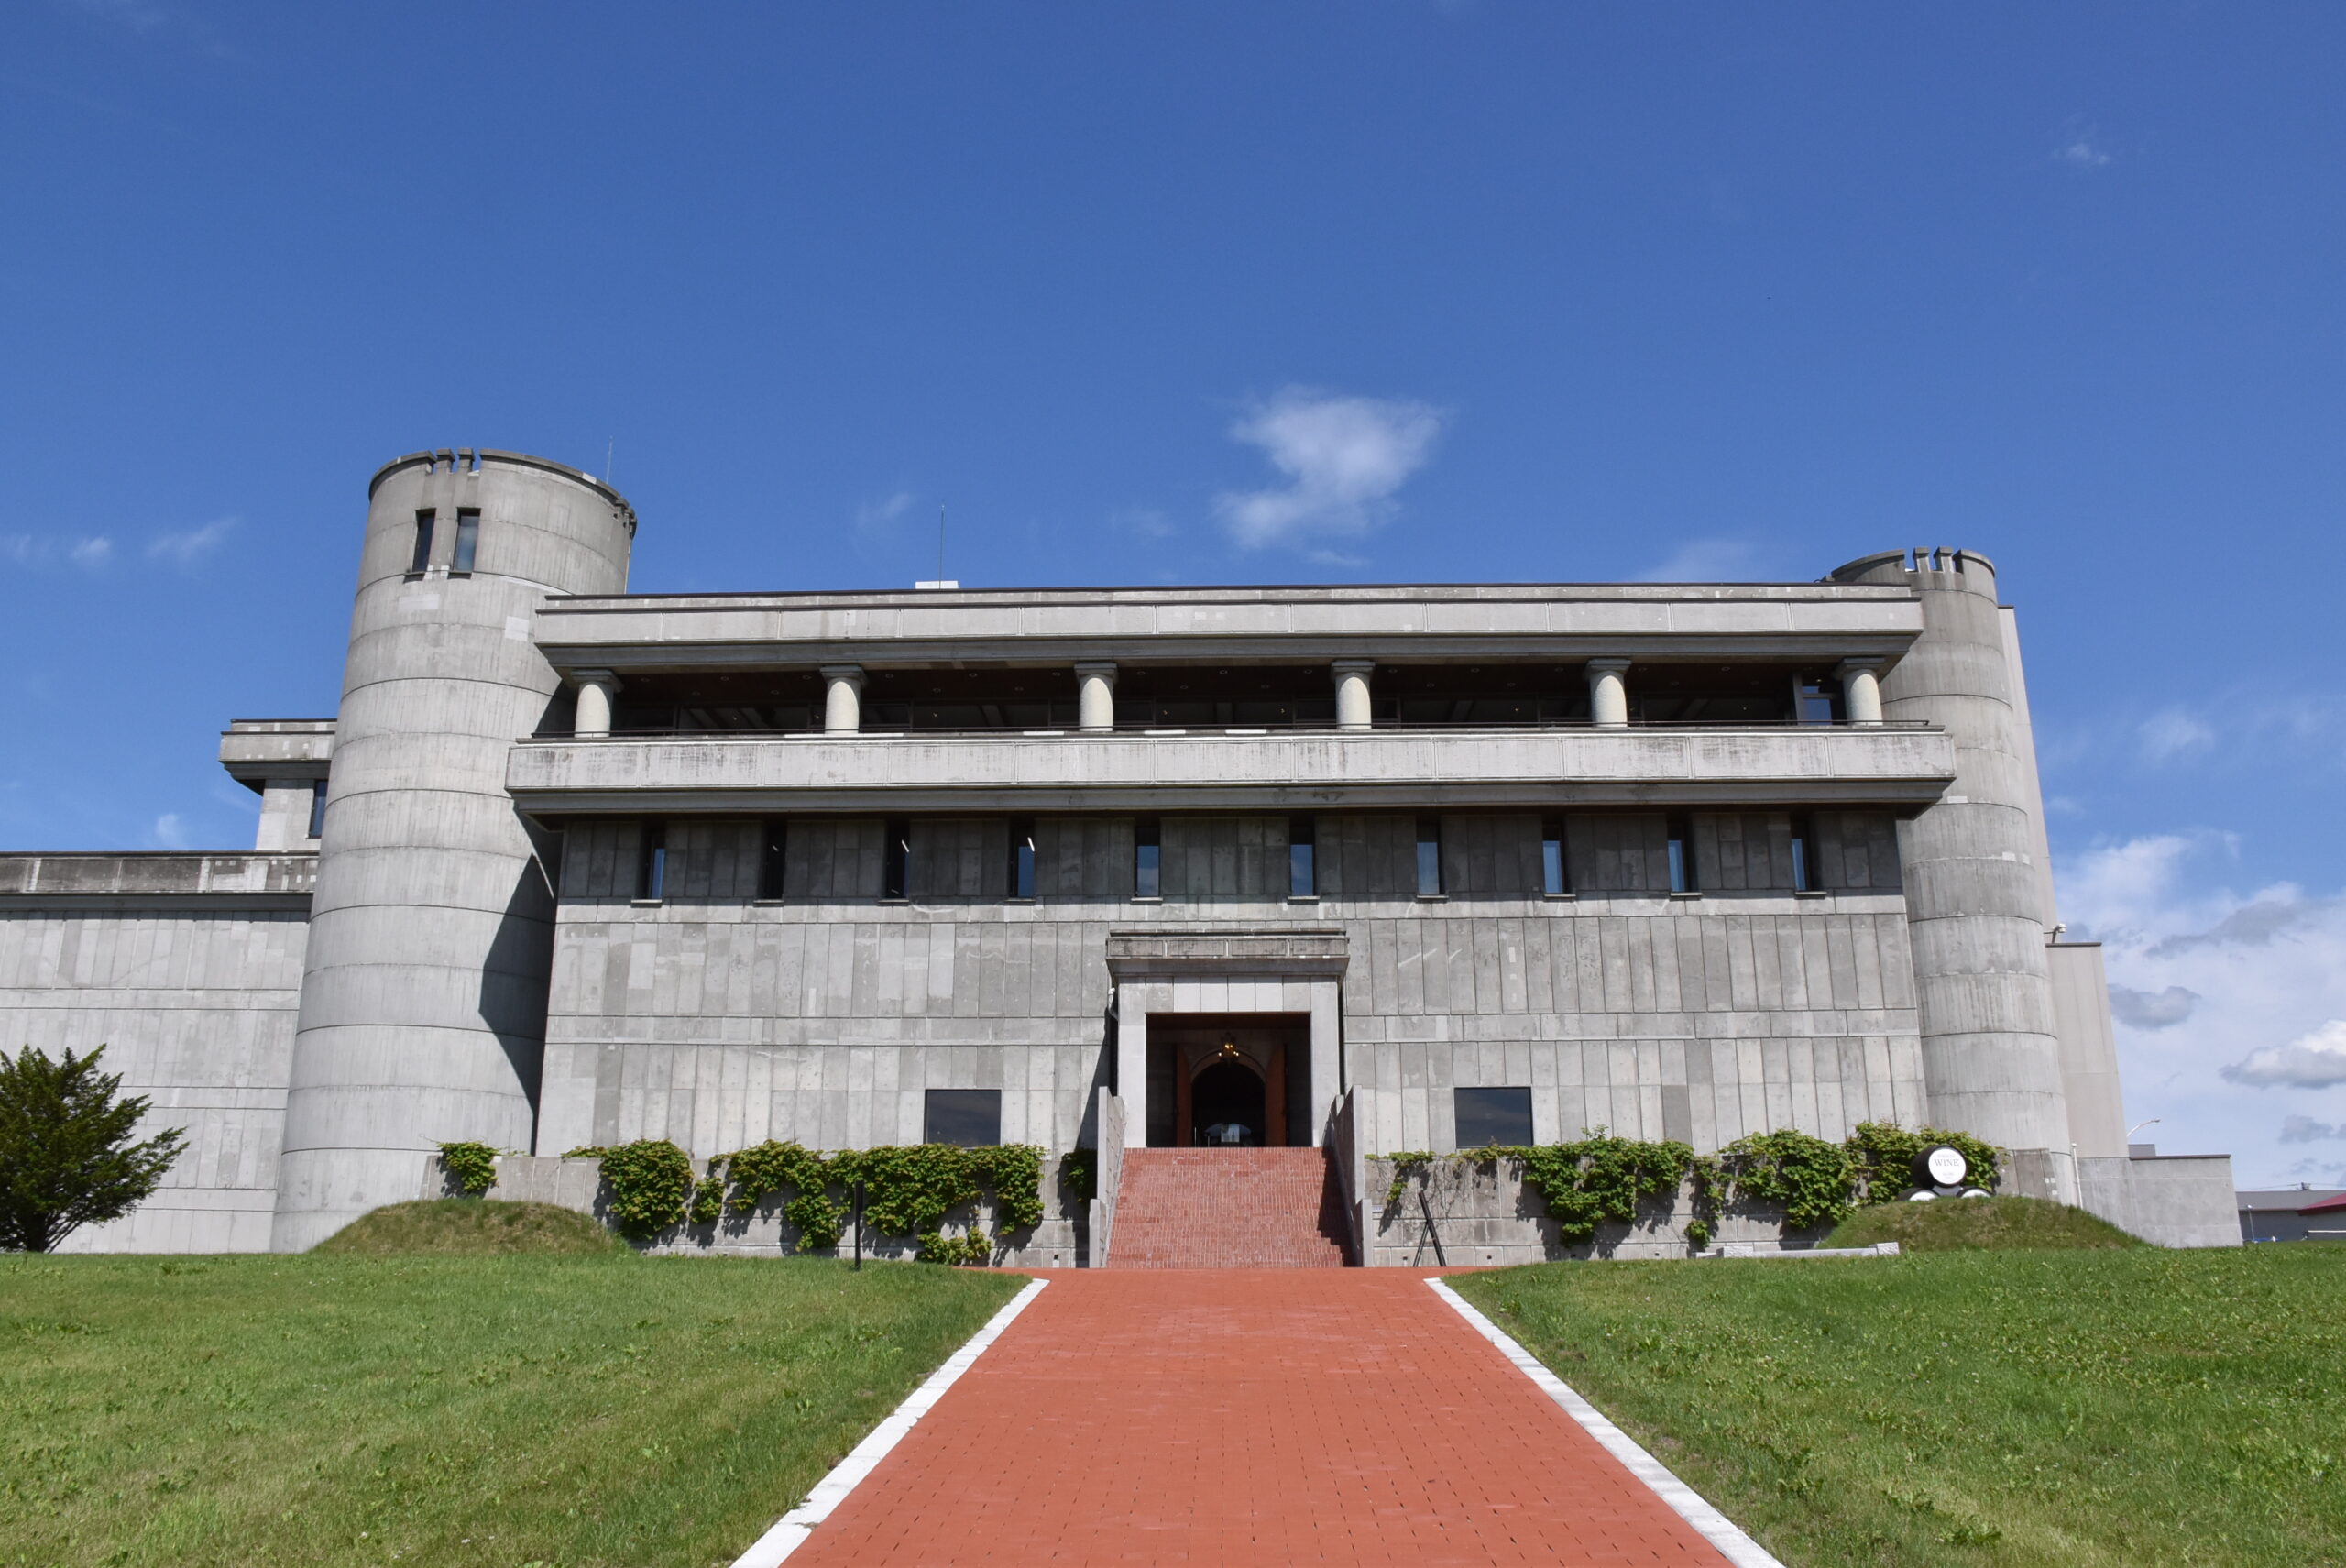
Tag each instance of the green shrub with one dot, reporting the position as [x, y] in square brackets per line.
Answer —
[472, 1166]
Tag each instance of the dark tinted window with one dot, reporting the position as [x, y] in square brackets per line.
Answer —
[1302, 873]
[651, 866]
[317, 808]
[1021, 857]
[896, 858]
[1555, 876]
[1428, 857]
[422, 541]
[970, 1117]
[1487, 1116]
[1147, 861]
[467, 538]
[774, 855]
[1681, 856]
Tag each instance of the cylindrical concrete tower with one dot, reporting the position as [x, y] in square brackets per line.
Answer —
[1975, 896]
[424, 996]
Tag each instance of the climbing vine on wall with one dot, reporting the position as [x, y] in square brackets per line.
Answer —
[909, 1190]
[472, 1166]
[1600, 1179]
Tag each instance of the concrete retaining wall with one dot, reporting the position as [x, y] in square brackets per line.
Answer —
[2170, 1200]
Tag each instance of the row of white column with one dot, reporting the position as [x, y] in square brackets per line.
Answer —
[1608, 696]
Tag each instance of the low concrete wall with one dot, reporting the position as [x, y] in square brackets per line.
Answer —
[577, 1184]
[1108, 1179]
[1484, 1214]
[2169, 1200]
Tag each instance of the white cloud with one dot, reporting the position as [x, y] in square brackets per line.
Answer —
[37, 550]
[2227, 1001]
[2316, 1059]
[1343, 457]
[1142, 522]
[1703, 561]
[2143, 1010]
[2080, 153]
[170, 832]
[872, 516]
[190, 545]
[2305, 1130]
[2171, 733]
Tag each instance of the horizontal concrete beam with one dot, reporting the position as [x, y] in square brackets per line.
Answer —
[1414, 625]
[1901, 769]
[255, 750]
[202, 874]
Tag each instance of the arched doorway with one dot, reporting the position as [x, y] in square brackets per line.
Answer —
[1228, 1096]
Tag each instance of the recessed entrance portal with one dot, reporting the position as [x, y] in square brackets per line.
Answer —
[1229, 1079]
[1226, 1106]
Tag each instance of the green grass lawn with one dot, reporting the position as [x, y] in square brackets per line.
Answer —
[567, 1411]
[2136, 1406]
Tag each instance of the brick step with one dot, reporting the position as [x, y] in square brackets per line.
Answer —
[1228, 1209]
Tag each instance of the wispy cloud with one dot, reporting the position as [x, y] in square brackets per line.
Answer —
[1703, 560]
[2253, 924]
[2305, 1130]
[2313, 1061]
[2149, 1010]
[1344, 458]
[2080, 147]
[875, 516]
[188, 546]
[1143, 523]
[33, 550]
[170, 832]
[2172, 732]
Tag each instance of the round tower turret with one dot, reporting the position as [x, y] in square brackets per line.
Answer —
[1976, 899]
[424, 993]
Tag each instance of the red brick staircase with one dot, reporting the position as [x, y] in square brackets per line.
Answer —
[1228, 1209]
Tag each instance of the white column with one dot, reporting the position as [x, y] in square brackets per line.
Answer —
[842, 698]
[1609, 698]
[596, 689]
[1095, 697]
[1861, 690]
[1352, 692]
[1132, 1063]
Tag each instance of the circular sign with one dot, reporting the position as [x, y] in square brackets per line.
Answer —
[1940, 1165]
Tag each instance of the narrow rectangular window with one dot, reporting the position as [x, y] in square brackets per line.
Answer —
[467, 538]
[1021, 857]
[1428, 857]
[1303, 871]
[1803, 862]
[1813, 701]
[423, 540]
[773, 857]
[1488, 1117]
[1555, 877]
[971, 1118]
[896, 859]
[1681, 856]
[651, 862]
[318, 808]
[1148, 859]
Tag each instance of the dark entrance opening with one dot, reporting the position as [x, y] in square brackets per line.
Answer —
[1226, 1106]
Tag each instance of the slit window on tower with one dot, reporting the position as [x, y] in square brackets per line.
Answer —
[317, 808]
[896, 859]
[1681, 855]
[423, 520]
[1803, 854]
[1021, 857]
[467, 538]
[774, 857]
[1428, 857]
[652, 861]
[1555, 875]
[1302, 867]
[1148, 859]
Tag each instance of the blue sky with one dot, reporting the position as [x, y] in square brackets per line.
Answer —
[1246, 292]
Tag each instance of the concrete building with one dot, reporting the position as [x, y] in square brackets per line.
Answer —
[1412, 867]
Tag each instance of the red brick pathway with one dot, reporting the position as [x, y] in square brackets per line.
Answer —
[1249, 1416]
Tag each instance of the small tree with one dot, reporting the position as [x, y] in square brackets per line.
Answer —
[66, 1158]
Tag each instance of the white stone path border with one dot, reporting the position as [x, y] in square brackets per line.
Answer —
[1714, 1526]
[796, 1525]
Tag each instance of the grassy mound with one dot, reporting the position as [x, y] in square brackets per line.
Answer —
[1979, 1224]
[470, 1226]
